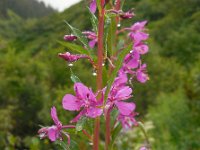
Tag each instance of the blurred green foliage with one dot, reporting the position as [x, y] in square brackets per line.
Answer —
[33, 78]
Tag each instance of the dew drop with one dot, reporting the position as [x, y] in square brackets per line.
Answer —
[94, 73]
[119, 25]
[103, 64]
[70, 64]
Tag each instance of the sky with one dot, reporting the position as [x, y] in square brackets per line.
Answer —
[60, 4]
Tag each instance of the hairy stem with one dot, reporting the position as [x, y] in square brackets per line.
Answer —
[99, 71]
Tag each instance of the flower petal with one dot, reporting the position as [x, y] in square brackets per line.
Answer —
[81, 90]
[123, 93]
[92, 43]
[93, 6]
[125, 108]
[71, 102]
[94, 112]
[52, 133]
[55, 117]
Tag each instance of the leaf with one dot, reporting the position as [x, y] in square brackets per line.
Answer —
[111, 37]
[80, 36]
[74, 78]
[80, 124]
[115, 133]
[94, 21]
[106, 30]
[75, 47]
[118, 65]
[62, 144]
[99, 5]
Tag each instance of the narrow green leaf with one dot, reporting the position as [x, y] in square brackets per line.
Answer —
[115, 133]
[74, 47]
[111, 37]
[144, 132]
[94, 21]
[106, 33]
[118, 65]
[74, 78]
[80, 124]
[80, 36]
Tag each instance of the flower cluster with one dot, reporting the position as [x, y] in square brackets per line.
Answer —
[90, 104]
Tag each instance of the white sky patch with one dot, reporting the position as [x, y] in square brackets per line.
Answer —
[60, 5]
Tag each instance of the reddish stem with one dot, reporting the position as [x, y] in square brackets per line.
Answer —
[99, 71]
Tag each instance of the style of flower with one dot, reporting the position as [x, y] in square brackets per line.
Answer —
[85, 99]
[53, 132]
[128, 121]
[71, 57]
[93, 6]
[92, 37]
[141, 74]
[69, 37]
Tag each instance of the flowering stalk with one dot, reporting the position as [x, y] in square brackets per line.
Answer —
[99, 70]
[124, 65]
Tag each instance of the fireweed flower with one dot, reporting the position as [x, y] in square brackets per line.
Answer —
[117, 96]
[85, 99]
[53, 132]
[141, 48]
[141, 74]
[71, 57]
[69, 37]
[131, 61]
[137, 32]
[92, 37]
[128, 121]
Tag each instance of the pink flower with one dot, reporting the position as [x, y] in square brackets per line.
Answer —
[69, 37]
[128, 120]
[93, 6]
[127, 15]
[137, 33]
[131, 61]
[141, 74]
[70, 57]
[53, 132]
[141, 48]
[117, 96]
[92, 37]
[123, 15]
[85, 99]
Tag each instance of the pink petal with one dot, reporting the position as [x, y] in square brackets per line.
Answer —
[92, 43]
[94, 112]
[123, 93]
[55, 117]
[70, 102]
[142, 77]
[81, 90]
[52, 133]
[125, 108]
[93, 6]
